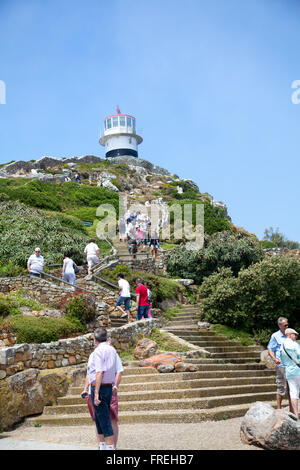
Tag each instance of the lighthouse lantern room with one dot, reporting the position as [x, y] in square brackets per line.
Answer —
[120, 137]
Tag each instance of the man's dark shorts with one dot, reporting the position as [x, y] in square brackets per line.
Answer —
[102, 411]
[142, 312]
[125, 300]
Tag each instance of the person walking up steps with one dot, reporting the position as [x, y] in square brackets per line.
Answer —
[124, 296]
[141, 300]
[91, 254]
[68, 271]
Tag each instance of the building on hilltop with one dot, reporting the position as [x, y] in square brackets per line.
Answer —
[120, 137]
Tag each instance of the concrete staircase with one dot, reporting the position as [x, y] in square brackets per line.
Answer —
[224, 386]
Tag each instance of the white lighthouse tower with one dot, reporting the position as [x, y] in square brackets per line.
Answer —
[120, 137]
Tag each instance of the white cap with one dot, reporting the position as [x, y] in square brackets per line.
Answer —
[290, 331]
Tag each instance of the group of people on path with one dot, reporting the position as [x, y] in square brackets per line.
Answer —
[136, 231]
[143, 298]
[36, 262]
[285, 352]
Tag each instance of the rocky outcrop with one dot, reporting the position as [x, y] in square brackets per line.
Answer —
[136, 162]
[271, 429]
[145, 348]
[165, 359]
[27, 392]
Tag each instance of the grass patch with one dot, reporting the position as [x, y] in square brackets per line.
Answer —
[172, 312]
[165, 344]
[233, 334]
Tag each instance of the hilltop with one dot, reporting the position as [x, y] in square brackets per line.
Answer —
[66, 192]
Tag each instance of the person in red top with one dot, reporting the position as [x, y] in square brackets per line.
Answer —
[141, 300]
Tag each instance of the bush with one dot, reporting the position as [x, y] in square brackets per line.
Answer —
[11, 270]
[256, 297]
[81, 308]
[41, 329]
[221, 249]
[162, 288]
[22, 228]
[8, 306]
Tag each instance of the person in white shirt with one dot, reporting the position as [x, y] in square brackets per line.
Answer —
[35, 264]
[91, 254]
[68, 272]
[114, 406]
[124, 296]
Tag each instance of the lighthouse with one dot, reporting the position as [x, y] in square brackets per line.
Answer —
[120, 137]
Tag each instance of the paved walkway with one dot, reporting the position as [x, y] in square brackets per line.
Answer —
[208, 435]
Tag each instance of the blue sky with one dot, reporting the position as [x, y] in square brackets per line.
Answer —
[209, 83]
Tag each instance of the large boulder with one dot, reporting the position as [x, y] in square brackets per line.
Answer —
[27, 392]
[145, 348]
[271, 429]
[21, 395]
[164, 359]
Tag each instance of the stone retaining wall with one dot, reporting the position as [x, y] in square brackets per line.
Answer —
[66, 352]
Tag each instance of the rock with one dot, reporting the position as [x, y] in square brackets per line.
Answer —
[264, 357]
[185, 282]
[165, 368]
[191, 183]
[185, 367]
[19, 167]
[20, 395]
[145, 348]
[160, 359]
[271, 429]
[136, 162]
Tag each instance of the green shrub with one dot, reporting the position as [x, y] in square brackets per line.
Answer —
[11, 270]
[23, 228]
[221, 249]
[81, 308]
[8, 306]
[42, 329]
[254, 299]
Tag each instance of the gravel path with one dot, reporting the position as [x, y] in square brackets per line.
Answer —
[208, 435]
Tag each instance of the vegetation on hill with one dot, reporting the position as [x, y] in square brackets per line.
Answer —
[162, 288]
[23, 228]
[223, 249]
[57, 197]
[255, 298]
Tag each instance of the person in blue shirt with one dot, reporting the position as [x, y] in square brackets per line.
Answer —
[290, 357]
[274, 352]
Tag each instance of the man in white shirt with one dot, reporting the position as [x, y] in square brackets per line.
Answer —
[35, 264]
[124, 296]
[91, 254]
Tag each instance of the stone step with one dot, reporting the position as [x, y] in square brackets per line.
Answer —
[234, 349]
[207, 339]
[181, 394]
[187, 376]
[183, 319]
[162, 415]
[240, 354]
[229, 360]
[193, 383]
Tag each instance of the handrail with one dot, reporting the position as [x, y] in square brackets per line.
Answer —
[65, 282]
